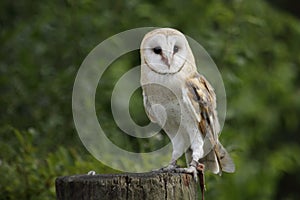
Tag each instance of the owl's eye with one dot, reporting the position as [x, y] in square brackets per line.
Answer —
[157, 50]
[175, 49]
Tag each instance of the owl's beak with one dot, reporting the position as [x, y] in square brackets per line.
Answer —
[167, 60]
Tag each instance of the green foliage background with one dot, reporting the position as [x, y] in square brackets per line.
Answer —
[255, 46]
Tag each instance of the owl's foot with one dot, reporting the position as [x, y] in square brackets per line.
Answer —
[189, 170]
[170, 168]
[92, 173]
[195, 168]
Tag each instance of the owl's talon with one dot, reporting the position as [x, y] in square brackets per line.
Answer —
[189, 170]
[171, 167]
[92, 173]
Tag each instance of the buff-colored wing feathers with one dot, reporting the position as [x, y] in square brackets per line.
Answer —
[201, 99]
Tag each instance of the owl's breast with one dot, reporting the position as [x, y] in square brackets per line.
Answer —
[163, 104]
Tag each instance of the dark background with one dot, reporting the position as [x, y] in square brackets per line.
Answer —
[255, 45]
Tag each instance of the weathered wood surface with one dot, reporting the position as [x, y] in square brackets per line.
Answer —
[127, 186]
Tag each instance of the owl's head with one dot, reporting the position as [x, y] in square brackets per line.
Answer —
[166, 51]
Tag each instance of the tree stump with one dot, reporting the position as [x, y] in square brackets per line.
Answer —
[127, 186]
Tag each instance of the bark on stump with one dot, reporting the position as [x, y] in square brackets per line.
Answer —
[127, 186]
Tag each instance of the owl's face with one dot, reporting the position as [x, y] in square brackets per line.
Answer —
[165, 51]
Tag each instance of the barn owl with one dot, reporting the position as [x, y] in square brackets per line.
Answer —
[182, 102]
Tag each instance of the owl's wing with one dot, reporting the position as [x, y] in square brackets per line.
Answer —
[200, 98]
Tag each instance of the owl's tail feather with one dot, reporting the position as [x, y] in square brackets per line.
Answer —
[218, 160]
[224, 159]
[211, 163]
